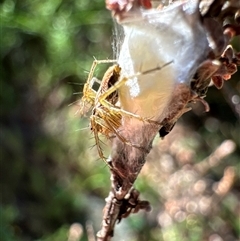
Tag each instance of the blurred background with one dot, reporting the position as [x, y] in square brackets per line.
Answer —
[52, 182]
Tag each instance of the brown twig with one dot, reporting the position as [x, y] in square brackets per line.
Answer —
[120, 203]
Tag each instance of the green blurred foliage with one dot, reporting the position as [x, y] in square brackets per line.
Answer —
[46, 48]
[50, 177]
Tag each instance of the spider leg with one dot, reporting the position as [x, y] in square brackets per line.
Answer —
[103, 96]
[116, 109]
[123, 80]
[93, 123]
[95, 64]
[90, 80]
[89, 94]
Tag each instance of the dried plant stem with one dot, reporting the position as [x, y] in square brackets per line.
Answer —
[125, 164]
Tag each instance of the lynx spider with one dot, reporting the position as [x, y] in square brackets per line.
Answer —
[106, 115]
